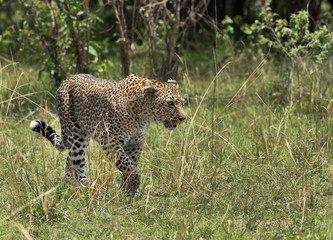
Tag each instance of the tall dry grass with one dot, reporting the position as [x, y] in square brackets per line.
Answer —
[246, 164]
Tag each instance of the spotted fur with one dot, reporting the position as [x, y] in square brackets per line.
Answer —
[117, 114]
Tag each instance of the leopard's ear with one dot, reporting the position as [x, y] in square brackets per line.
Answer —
[173, 82]
[147, 87]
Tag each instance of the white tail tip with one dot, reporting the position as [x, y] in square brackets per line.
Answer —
[34, 124]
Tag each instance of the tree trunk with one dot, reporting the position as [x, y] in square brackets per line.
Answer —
[118, 7]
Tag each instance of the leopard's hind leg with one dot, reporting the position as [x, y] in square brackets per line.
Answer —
[77, 144]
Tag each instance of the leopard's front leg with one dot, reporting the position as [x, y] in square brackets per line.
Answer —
[130, 175]
[126, 163]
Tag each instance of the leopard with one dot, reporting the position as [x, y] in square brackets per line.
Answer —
[116, 114]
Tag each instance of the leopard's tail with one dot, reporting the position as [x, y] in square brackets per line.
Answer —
[48, 132]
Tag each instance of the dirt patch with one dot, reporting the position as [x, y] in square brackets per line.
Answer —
[264, 223]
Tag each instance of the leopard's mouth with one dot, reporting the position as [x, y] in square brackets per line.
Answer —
[169, 125]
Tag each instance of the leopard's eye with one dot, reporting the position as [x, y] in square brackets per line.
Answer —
[171, 103]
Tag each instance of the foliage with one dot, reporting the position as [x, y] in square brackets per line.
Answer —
[295, 38]
[69, 36]
[57, 34]
[292, 38]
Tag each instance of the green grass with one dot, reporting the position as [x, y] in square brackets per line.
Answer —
[263, 170]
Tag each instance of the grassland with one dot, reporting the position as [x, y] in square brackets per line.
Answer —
[252, 161]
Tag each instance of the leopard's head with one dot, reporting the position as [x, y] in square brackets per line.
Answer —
[167, 105]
